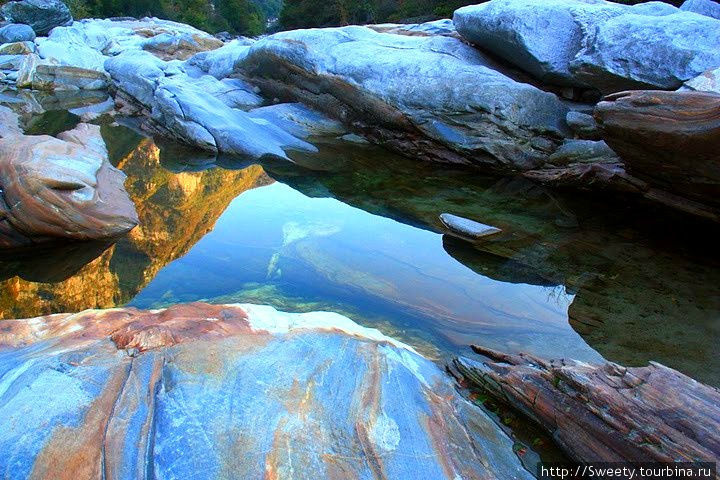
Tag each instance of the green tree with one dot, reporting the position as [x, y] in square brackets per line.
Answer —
[243, 17]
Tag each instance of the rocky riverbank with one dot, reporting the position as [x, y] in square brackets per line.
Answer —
[495, 88]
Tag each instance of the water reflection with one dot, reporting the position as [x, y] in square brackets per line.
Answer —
[355, 230]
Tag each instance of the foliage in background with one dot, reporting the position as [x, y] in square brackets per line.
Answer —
[325, 13]
[322, 13]
[243, 17]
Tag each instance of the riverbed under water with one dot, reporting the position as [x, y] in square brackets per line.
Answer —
[355, 229]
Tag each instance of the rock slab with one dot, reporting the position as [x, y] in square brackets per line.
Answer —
[208, 391]
[606, 412]
[431, 97]
[595, 43]
[669, 139]
[60, 188]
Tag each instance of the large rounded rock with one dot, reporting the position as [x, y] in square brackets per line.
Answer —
[640, 51]
[41, 15]
[432, 97]
[595, 43]
[60, 187]
[703, 7]
[233, 391]
[16, 33]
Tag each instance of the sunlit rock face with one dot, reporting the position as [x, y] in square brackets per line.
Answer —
[175, 210]
[60, 187]
[201, 391]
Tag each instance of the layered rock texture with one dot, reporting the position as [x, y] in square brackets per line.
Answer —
[607, 413]
[60, 187]
[432, 97]
[669, 139]
[41, 15]
[235, 388]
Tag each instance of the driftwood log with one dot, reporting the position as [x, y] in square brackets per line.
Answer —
[605, 413]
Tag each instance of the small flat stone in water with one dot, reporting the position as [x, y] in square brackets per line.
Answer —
[466, 228]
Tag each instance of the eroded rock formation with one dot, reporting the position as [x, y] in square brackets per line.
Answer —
[431, 97]
[606, 412]
[60, 187]
[595, 43]
[119, 393]
[669, 139]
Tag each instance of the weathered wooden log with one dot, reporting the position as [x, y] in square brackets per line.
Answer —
[606, 413]
[669, 139]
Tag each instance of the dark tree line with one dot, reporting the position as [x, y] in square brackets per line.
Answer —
[244, 17]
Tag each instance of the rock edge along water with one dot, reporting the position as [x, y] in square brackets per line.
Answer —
[208, 391]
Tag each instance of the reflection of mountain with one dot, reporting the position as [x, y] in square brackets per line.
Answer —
[176, 210]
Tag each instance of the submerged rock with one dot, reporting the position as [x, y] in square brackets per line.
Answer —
[208, 390]
[432, 97]
[16, 32]
[60, 188]
[595, 43]
[466, 228]
[41, 15]
[669, 139]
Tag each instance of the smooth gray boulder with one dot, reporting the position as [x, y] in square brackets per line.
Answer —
[703, 7]
[41, 15]
[584, 125]
[595, 43]
[191, 111]
[640, 51]
[432, 97]
[16, 32]
[707, 82]
[220, 63]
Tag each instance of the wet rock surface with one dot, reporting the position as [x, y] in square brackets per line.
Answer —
[86, 392]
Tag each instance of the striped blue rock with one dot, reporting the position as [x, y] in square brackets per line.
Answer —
[242, 391]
